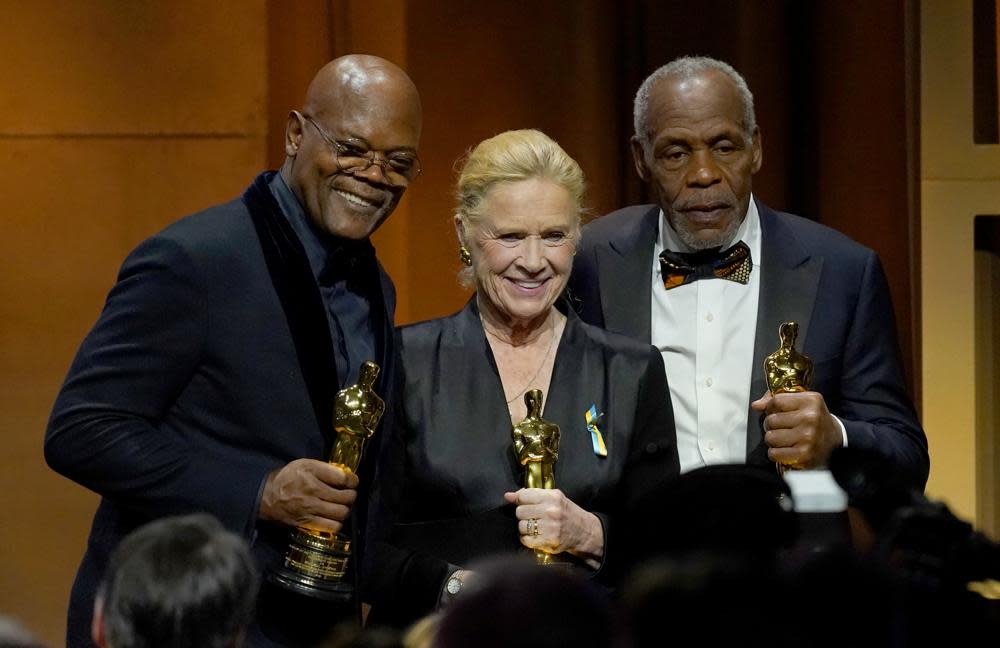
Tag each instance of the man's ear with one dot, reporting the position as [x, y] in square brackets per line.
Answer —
[97, 623]
[639, 158]
[293, 133]
[758, 150]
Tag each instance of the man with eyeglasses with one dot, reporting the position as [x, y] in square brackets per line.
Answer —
[208, 382]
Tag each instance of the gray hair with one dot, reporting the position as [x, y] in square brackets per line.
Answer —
[684, 68]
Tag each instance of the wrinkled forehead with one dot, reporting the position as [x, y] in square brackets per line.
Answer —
[708, 98]
[531, 206]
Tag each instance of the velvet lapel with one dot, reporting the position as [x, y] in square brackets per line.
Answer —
[624, 270]
[300, 299]
[788, 283]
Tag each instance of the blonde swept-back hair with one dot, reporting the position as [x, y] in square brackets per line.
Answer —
[513, 156]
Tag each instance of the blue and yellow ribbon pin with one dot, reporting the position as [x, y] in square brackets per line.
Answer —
[596, 438]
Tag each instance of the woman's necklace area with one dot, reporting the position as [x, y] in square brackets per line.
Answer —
[548, 350]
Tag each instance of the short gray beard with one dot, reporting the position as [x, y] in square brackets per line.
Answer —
[695, 243]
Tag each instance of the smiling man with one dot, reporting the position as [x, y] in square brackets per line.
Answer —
[208, 382]
[709, 272]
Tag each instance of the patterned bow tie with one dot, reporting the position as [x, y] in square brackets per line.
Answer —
[679, 268]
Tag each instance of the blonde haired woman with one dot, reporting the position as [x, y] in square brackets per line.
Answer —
[451, 491]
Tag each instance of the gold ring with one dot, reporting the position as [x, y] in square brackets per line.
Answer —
[532, 527]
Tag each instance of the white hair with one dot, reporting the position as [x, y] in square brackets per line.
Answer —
[684, 68]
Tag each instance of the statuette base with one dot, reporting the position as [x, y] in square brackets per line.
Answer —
[314, 566]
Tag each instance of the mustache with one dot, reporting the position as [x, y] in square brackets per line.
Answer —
[705, 203]
[372, 191]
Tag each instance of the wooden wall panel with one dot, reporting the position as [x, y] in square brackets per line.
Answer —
[93, 66]
[958, 181]
[860, 136]
[72, 229]
[986, 268]
[299, 42]
[483, 68]
[117, 118]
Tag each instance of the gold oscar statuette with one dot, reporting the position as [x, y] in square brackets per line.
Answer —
[536, 444]
[316, 560]
[786, 369]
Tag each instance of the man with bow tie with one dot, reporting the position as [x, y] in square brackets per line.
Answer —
[709, 273]
[208, 383]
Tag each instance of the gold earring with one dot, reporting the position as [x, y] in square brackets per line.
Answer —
[464, 256]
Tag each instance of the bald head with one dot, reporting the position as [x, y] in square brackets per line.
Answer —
[358, 109]
[359, 77]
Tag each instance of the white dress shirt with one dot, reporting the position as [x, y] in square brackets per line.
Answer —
[705, 331]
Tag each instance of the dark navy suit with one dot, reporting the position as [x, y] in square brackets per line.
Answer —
[832, 286]
[210, 366]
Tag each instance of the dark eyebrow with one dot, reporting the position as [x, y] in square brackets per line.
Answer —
[665, 142]
[727, 135]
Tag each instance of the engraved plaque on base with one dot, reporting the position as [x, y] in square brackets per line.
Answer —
[316, 561]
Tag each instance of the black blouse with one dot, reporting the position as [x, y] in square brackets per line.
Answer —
[440, 495]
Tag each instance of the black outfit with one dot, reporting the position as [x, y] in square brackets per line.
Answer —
[452, 456]
[210, 366]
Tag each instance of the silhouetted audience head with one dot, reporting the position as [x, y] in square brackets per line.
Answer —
[14, 635]
[947, 569]
[839, 598]
[873, 486]
[706, 599]
[513, 602]
[720, 561]
[350, 635]
[180, 581]
[728, 509]
[702, 555]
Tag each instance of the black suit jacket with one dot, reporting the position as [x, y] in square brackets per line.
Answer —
[452, 454]
[210, 366]
[832, 286]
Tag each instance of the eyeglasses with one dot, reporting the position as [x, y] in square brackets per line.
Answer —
[354, 156]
